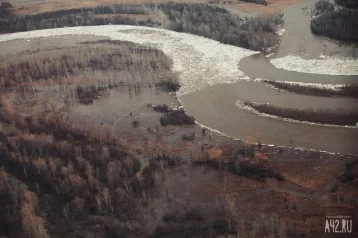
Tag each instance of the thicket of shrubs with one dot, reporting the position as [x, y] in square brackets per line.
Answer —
[325, 116]
[162, 108]
[344, 91]
[351, 172]
[176, 117]
[247, 161]
[255, 169]
[250, 168]
[190, 224]
[87, 94]
[95, 67]
[5, 10]
[262, 2]
[340, 24]
[133, 64]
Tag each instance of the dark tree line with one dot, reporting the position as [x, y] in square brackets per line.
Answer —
[122, 57]
[326, 116]
[323, 6]
[349, 90]
[347, 3]
[218, 24]
[75, 17]
[200, 19]
[262, 2]
[5, 10]
[340, 24]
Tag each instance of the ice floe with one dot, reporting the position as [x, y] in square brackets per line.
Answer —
[199, 61]
[328, 65]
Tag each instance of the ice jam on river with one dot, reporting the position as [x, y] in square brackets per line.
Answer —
[202, 62]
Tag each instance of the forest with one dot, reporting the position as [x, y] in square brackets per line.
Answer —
[218, 24]
[115, 56]
[89, 69]
[342, 91]
[324, 116]
[339, 24]
[347, 3]
[65, 181]
[53, 174]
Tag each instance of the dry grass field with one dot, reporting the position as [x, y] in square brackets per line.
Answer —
[25, 7]
[252, 8]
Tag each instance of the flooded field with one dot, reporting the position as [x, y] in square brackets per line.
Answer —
[101, 119]
[116, 108]
[215, 106]
[206, 64]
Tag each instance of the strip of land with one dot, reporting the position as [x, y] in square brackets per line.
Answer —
[340, 117]
[313, 90]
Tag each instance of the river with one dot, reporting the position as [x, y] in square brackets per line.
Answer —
[215, 106]
[215, 76]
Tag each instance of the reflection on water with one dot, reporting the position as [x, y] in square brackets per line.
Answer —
[120, 102]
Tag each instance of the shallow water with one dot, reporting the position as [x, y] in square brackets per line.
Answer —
[203, 62]
[215, 107]
[117, 106]
[299, 40]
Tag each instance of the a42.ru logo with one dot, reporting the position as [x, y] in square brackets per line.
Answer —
[338, 225]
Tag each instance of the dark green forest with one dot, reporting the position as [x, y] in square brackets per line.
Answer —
[339, 24]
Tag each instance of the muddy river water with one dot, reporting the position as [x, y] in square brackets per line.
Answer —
[207, 67]
[215, 106]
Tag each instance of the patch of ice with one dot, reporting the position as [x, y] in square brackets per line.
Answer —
[280, 32]
[199, 61]
[328, 66]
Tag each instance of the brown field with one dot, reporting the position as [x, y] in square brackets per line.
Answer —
[251, 8]
[23, 7]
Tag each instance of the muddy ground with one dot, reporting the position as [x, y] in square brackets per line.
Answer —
[295, 206]
[302, 200]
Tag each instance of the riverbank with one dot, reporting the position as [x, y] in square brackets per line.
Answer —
[205, 63]
[170, 177]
